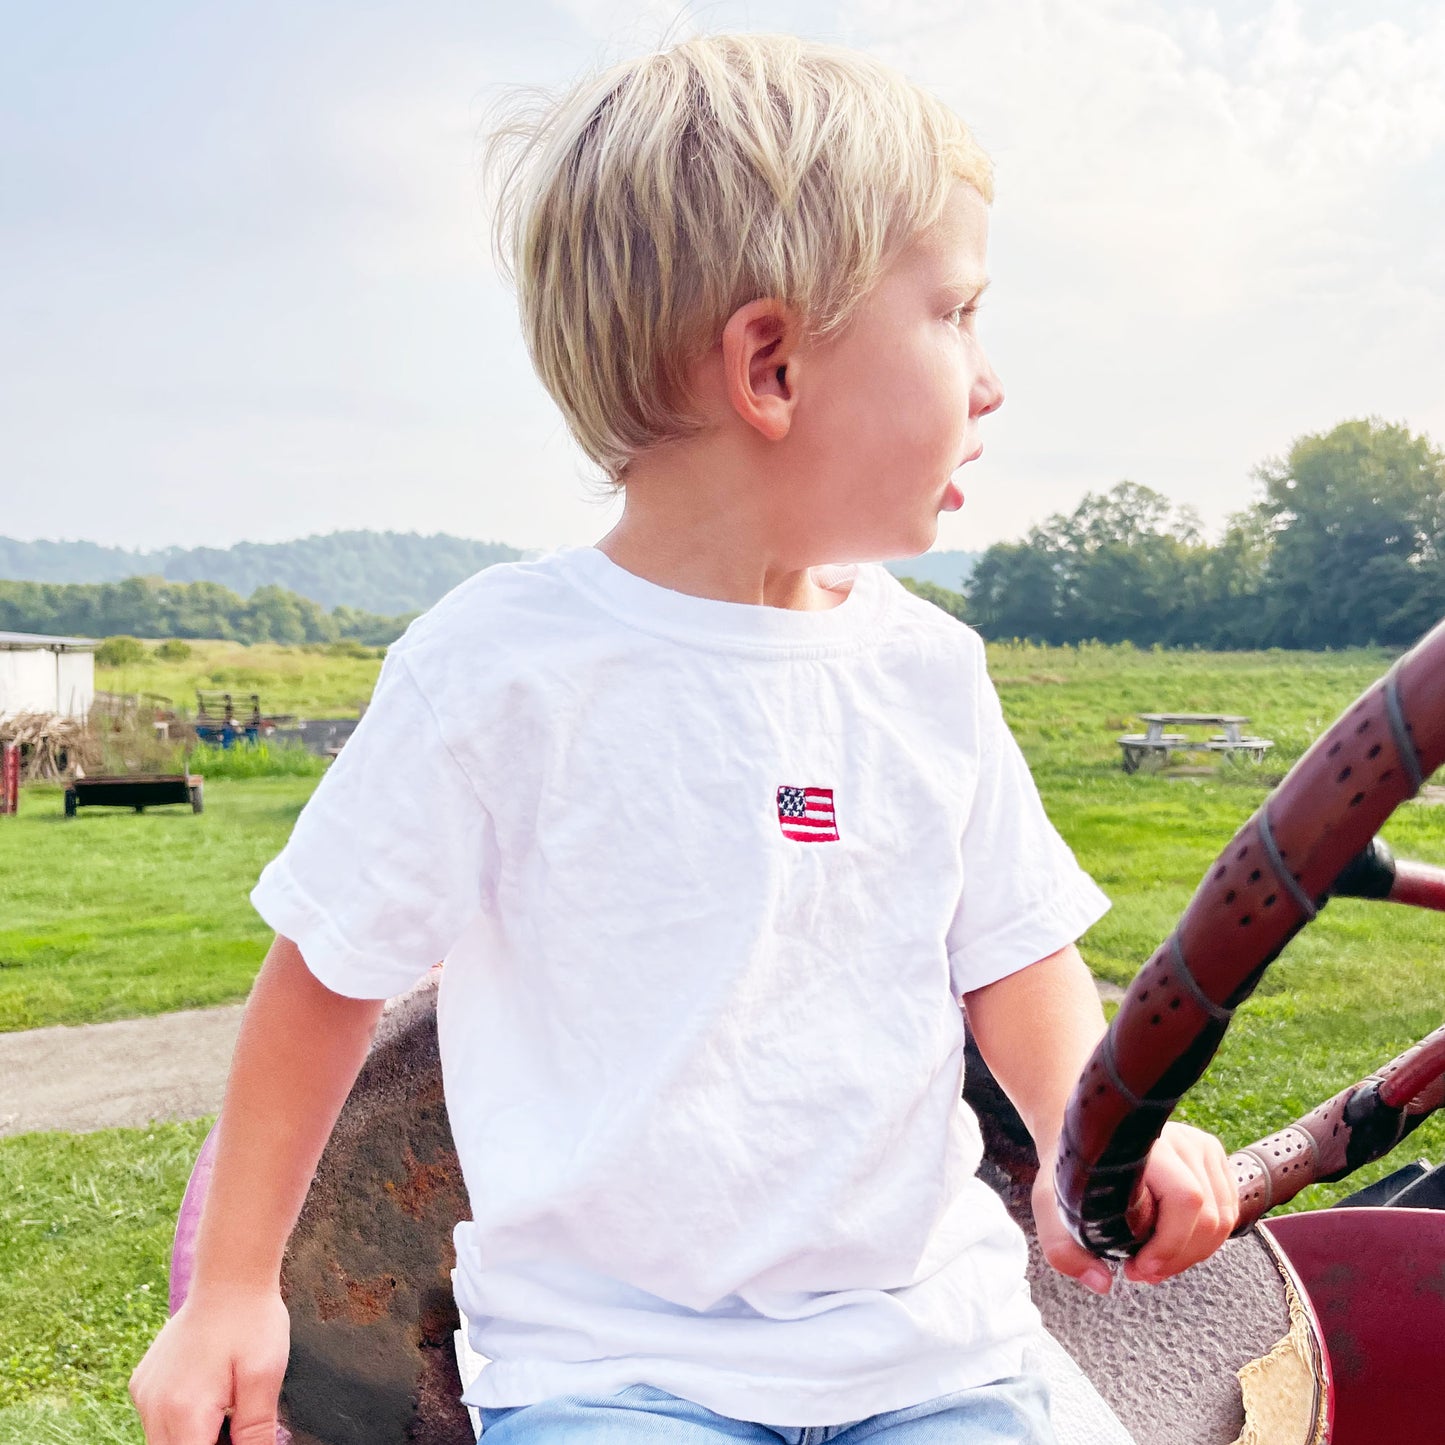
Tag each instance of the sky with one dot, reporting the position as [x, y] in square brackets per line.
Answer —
[246, 289]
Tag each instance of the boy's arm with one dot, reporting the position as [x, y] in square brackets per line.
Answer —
[299, 1050]
[1036, 1028]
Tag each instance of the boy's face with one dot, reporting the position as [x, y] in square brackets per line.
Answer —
[889, 409]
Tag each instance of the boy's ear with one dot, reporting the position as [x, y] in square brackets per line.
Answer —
[760, 345]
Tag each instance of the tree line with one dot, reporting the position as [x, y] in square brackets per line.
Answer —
[1345, 547]
[153, 607]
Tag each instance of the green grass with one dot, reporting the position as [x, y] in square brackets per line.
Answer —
[85, 1234]
[113, 914]
[252, 760]
[316, 681]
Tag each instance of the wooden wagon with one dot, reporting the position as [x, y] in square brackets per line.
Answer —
[137, 791]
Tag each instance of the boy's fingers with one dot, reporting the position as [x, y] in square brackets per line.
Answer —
[181, 1427]
[260, 1431]
[253, 1420]
[1226, 1190]
[1188, 1174]
[1077, 1263]
[1142, 1213]
[170, 1423]
[1218, 1177]
[1189, 1225]
[1062, 1251]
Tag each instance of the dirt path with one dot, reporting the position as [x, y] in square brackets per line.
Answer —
[133, 1071]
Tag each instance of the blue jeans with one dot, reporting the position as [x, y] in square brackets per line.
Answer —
[1014, 1411]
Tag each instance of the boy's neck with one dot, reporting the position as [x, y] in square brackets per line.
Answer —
[693, 529]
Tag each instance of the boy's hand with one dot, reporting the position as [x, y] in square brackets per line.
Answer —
[1187, 1197]
[226, 1354]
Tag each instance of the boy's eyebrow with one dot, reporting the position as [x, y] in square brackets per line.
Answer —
[968, 285]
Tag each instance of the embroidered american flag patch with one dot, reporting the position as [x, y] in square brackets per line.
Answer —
[806, 815]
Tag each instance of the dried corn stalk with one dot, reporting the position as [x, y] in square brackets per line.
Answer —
[52, 747]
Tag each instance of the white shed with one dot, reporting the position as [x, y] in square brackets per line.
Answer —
[46, 674]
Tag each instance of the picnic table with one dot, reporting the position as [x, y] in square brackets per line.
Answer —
[1157, 744]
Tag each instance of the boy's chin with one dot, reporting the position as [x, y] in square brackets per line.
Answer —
[921, 539]
[895, 549]
[907, 537]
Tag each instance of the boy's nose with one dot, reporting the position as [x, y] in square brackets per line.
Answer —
[987, 392]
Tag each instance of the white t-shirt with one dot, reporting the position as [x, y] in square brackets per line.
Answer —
[709, 880]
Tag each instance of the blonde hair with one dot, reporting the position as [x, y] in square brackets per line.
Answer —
[639, 210]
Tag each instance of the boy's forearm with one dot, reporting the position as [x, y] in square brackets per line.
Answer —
[1036, 1029]
[298, 1053]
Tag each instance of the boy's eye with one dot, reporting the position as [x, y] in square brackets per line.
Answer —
[960, 313]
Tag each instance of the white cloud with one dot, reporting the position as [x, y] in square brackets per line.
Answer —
[1208, 234]
[1206, 153]
[623, 28]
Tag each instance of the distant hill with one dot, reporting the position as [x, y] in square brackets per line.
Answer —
[391, 573]
[943, 569]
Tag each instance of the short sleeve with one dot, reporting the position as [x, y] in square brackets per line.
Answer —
[1024, 895]
[391, 858]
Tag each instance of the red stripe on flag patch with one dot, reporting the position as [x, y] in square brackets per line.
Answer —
[806, 815]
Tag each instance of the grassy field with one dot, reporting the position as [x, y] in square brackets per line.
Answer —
[320, 681]
[114, 914]
[85, 1235]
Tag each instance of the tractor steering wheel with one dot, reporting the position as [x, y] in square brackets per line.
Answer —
[1272, 879]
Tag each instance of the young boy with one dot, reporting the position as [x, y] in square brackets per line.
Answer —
[715, 826]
